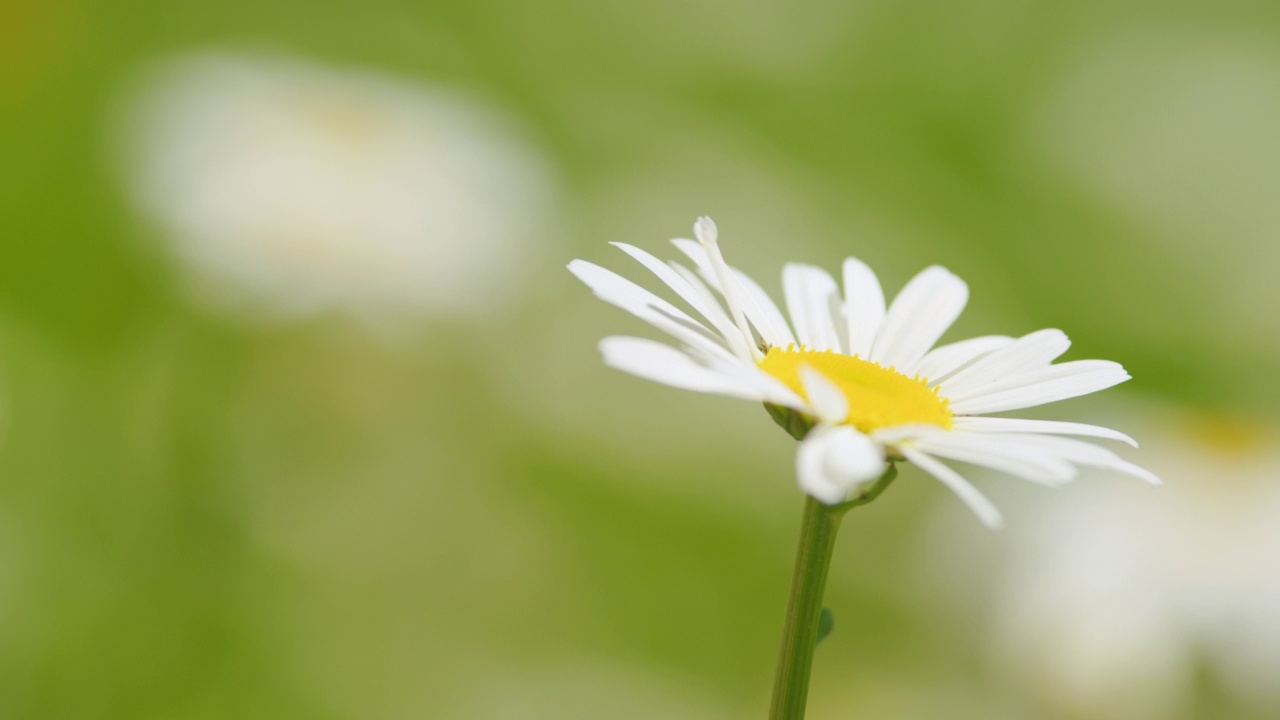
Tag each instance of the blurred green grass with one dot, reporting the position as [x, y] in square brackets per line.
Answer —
[202, 518]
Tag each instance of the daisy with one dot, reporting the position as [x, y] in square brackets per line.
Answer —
[858, 380]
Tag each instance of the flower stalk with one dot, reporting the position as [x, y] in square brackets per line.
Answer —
[818, 529]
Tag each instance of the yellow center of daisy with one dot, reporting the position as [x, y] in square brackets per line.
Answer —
[878, 397]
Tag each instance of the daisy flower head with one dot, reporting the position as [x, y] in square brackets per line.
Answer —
[858, 380]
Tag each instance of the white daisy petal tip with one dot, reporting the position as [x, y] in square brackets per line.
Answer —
[1051, 383]
[1120, 437]
[687, 246]
[919, 315]
[705, 230]
[864, 305]
[978, 503]
[940, 275]
[813, 299]
[1139, 472]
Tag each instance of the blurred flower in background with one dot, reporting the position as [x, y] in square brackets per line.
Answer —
[1111, 598]
[292, 189]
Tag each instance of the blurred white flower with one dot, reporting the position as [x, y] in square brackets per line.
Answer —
[291, 189]
[1109, 598]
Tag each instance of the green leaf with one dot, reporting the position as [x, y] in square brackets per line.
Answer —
[826, 623]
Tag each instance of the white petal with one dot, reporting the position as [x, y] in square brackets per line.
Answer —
[968, 494]
[1083, 453]
[1137, 471]
[989, 451]
[942, 361]
[833, 460]
[753, 299]
[705, 230]
[696, 283]
[711, 311]
[1051, 384]
[864, 306]
[769, 388]
[762, 312]
[756, 303]
[919, 315]
[694, 252]
[661, 363]
[897, 434]
[620, 292]
[811, 296]
[1026, 354]
[828, 403]
[1047, 427]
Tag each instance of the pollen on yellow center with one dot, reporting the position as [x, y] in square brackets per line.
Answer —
[878, 396]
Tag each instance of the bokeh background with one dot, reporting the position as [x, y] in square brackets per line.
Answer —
[301, 415]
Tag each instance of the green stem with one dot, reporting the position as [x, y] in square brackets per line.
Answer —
[804, 608]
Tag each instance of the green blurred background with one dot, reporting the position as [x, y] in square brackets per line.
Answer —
[444, 511]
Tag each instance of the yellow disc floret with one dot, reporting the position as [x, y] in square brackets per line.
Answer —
[878, 397]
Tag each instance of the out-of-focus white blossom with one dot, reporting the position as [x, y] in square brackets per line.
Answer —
[289, 188]
[1109, 597]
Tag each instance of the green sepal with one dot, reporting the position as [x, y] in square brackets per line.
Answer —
[869, 492]
[796, 424]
